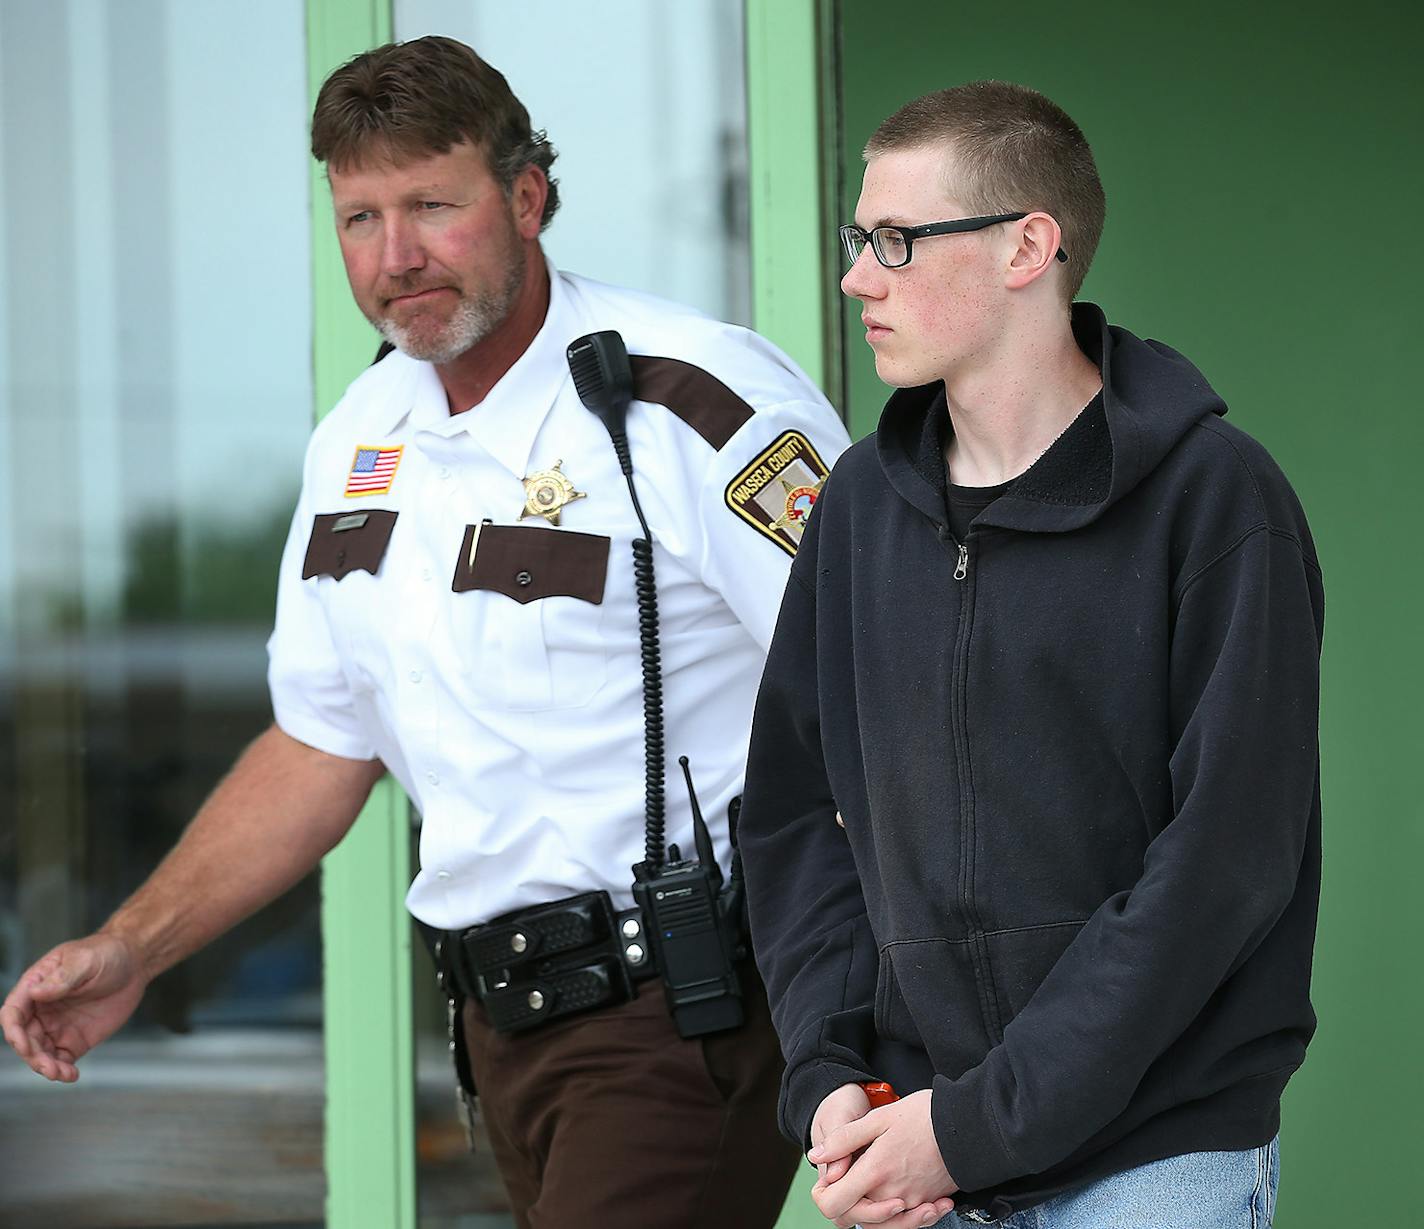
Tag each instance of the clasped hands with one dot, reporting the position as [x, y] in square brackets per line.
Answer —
[878, 1166]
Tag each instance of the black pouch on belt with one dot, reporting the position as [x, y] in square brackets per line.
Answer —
[540, 964]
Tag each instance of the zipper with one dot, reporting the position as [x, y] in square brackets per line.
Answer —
[961, 567]
[968, 844]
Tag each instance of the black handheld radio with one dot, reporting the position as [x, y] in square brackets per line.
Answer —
[692, 924]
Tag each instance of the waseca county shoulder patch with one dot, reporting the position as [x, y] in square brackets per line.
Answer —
[776, 492]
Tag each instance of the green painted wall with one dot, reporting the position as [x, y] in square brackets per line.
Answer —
[1263, 169]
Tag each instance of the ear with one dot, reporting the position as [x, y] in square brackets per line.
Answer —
[1039, 239]
[527, 195]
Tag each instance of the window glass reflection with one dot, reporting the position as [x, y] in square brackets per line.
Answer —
[154, 403]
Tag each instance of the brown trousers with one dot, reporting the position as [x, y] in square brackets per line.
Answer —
[611, 1119]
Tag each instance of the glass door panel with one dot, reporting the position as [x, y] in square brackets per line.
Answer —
[155, 393]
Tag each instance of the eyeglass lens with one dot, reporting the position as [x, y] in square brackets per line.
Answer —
[852, 242]
[891, 247]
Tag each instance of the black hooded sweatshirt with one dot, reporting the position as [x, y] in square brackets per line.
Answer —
[1033, 820]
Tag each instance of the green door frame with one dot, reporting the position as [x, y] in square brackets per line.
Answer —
[369, 1042]
[793, 168]
[793, 172]
[366, 971]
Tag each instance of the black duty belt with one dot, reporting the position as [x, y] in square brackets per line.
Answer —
[537, 965]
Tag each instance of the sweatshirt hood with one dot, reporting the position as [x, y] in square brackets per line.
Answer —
[1151, 397]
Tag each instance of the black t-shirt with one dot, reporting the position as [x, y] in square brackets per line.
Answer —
[1079, 453]
[964, 503]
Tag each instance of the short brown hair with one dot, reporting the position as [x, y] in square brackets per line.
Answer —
[411, 100]
[1013, 149]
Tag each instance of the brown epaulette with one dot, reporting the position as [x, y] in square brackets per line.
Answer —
[696, 396]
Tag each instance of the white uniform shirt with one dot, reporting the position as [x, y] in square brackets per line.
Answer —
[517, 727]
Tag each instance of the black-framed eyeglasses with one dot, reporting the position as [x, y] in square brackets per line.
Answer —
[893, 245]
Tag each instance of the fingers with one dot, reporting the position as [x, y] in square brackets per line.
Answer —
[47, 979]
[45, 1065]
[13, 1017]
[892, 1214]
[54, 1070]
[41, 1061]
[836, 1201]
[864, 1212]
[59, 1064]
[26, 1035]
[873, 1212]
[919, 1216]
[870, 1193]
[834, 1171]
[17, 1016]
[850, 1137]
[845, 1104]
[53, 1062]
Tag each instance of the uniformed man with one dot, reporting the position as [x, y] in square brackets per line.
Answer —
[457, 606]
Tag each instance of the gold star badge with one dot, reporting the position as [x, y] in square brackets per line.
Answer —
[546, 492]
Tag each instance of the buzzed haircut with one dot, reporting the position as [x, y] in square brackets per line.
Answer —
[406, 101]
[1013, 150]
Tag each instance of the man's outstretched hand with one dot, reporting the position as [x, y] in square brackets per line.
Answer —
[69, 1001]
[896, 1177]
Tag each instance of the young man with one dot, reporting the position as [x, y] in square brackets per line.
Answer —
[457, 606]
[1032, 815]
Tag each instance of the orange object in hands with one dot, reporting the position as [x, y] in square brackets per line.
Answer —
[880, 1093]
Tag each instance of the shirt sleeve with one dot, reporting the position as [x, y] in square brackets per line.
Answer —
[745, 555]
[810, 931]
[1215, 881]
[311, 698]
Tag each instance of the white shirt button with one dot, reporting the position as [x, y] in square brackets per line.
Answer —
[416, 676]
[442, 874]
[444, 471]
[433, 778]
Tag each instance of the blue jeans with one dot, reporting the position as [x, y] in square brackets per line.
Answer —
[1197, 1190]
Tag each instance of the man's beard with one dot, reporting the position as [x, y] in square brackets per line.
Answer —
[476, 316]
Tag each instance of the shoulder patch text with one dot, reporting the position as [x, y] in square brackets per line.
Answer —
[776, 492]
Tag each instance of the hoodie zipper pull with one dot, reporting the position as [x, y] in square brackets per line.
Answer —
[962, 569]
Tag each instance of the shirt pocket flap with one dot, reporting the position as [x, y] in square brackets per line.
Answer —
[343, 542]
[528, 564]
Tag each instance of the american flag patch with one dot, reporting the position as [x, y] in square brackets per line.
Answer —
[373, 471]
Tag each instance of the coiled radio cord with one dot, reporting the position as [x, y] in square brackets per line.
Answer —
[654, 746]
